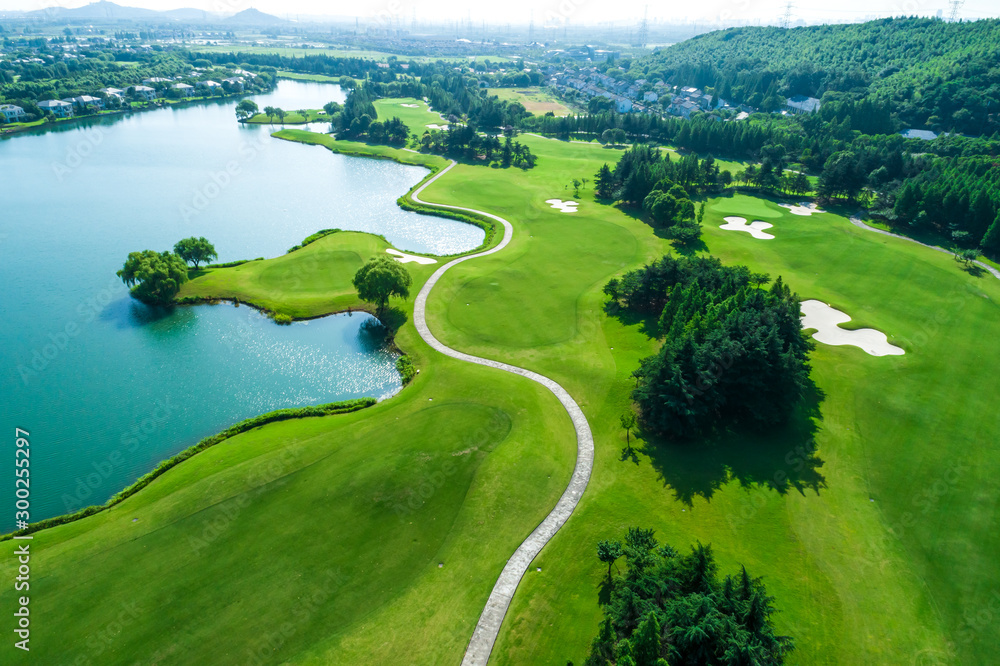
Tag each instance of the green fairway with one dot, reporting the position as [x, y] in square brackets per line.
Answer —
[309, 282]
[417, 118]
[879, 545]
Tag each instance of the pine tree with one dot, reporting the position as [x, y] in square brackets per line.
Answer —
[991, 241]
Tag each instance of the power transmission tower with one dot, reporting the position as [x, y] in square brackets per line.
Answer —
[955, 6]
[531, 28]
[643, 38]
[786, 19]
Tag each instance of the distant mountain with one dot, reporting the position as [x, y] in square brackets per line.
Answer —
[254, 17]
[97, 10]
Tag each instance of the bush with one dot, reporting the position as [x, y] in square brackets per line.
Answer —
[282, 319]
[406, 369]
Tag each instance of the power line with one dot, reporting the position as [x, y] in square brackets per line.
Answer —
[955, 6]
[786, 19]
[643, 37]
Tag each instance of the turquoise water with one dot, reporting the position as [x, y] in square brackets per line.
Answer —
[108, 387]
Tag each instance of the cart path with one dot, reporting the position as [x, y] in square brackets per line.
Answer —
[488, 627]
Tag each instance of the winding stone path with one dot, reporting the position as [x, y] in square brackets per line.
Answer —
[859, 223]
[488, 627]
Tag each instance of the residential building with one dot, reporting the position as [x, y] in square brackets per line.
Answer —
[155, 79]
[12, 114]
[650, 96]
[926, 135]
[623, 104]
[113, 92]
[146, 93]
[84, 102]
[211, 85]
[58, 108]
[184, 89]
[235, 82]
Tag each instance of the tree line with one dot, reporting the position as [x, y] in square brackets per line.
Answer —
[669, 608]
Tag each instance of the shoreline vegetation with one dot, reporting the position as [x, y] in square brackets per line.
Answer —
[328, 409]
[11, 129]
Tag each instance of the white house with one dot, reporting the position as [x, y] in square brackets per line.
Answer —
[113, 92]
[145, 92]
[185, 89]
[11, 113]
[650, 96]
[83, 102]
[623, 104]
[58, 108]
[155, 79]
[211, 85]
[235, 81]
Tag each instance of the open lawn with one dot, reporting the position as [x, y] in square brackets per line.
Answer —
[871, 515]
[535, 100]
[417, 118]
[343, 53]
[296, 117]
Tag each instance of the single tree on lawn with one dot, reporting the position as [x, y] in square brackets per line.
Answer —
[246, 109]
[278, 111]
[154, 277]
[609, 551]
[380, 279]
[195, 250]
[628, 422]
[269, 111]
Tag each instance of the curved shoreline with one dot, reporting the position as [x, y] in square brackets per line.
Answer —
[488, 627]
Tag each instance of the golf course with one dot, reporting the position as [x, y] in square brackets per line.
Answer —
[377, 536]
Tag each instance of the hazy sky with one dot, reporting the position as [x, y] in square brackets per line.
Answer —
[577, 12]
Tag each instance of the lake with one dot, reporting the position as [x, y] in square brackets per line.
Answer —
[108, 387]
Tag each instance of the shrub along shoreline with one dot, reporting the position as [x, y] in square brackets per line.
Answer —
[246, 425]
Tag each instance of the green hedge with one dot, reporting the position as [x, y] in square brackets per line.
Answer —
[230, 264]
[406, 369]
[311, 239]
[239, 428]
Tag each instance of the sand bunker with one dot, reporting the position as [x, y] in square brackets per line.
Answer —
[404, 258]
[755, 229]
[819, 315]
[802, 208]
[411, 106]
[437, 127]
[564, 206]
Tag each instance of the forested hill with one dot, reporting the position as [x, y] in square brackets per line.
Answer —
[927, 72]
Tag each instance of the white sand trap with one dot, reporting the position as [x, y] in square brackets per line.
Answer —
[564, 206]
[819, 315]
[755, 229]
[411, 106]
[802, 208]
[437, 127]
[404, 258]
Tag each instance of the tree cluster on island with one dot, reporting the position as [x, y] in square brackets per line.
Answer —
[733, 351]
[668, 609]
[155, 278]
